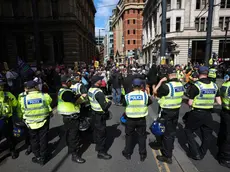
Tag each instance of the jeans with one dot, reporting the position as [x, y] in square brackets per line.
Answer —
[116, 95]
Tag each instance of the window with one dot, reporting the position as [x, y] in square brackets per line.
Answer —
[197, 24]
[227, 22]
[197, 4]
[221, 23]
[128, 21]
[200, 4]
[202, 24]
[134, 32]
[178, 24]
[225, 4]
[134, 41]
[128, 32]
[138, 1]
[127, 11]
[178, 4]
[138, 11]
[168, 5]
[134, 21]
[128, 41]
[222, 4]
[134, 11]
[167, 25]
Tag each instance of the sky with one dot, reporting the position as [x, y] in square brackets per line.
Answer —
[104, 10]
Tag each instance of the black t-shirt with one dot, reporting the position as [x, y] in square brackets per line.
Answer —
[194, 91]
[164, 89]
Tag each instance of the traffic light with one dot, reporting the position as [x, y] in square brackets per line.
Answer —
[135, 56]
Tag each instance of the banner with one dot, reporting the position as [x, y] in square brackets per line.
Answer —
[24, 69]
[96, 64]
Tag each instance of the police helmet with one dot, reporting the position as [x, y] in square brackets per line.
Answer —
[123, 119]
[18, 132]
[157, 128]
[137, 82]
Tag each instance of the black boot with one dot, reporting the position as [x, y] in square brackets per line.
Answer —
[28, 150]
[127, 156]
[164, 159]
[224, 163]
[156, 145]
[195, 156]
[143, 157]
[103, 155]
[14, 154]
[77, 159]
[36, 160]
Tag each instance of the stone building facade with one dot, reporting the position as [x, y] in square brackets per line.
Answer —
[186, 25]
[127, 27]
[66, 30]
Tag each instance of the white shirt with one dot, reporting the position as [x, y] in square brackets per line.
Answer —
[10, 75]
[39, 81]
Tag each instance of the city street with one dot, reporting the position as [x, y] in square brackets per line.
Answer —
[60, 161]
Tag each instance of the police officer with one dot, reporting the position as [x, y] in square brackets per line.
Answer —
[170, 92]
[8, 106]
[136, 103]
[179, 73]
[69, 108]
[77, 86]
[224, 133]
[99, 106]
[36, 110]
[202, 96]
[212, 74]
[20, 116]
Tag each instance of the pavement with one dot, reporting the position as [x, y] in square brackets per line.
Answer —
[61, 161]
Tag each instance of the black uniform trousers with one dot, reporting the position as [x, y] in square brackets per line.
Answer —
[71, 126]
[137, 125]
[99, 120]
[199, 119]
[224, 136]
[7, 132]
[170, 117]
[39, 140]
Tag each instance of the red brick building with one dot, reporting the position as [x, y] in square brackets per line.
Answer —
[127, 27]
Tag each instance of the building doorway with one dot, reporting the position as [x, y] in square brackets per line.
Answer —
[198, 51]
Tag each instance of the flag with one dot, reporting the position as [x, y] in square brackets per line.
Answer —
[24, 69]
